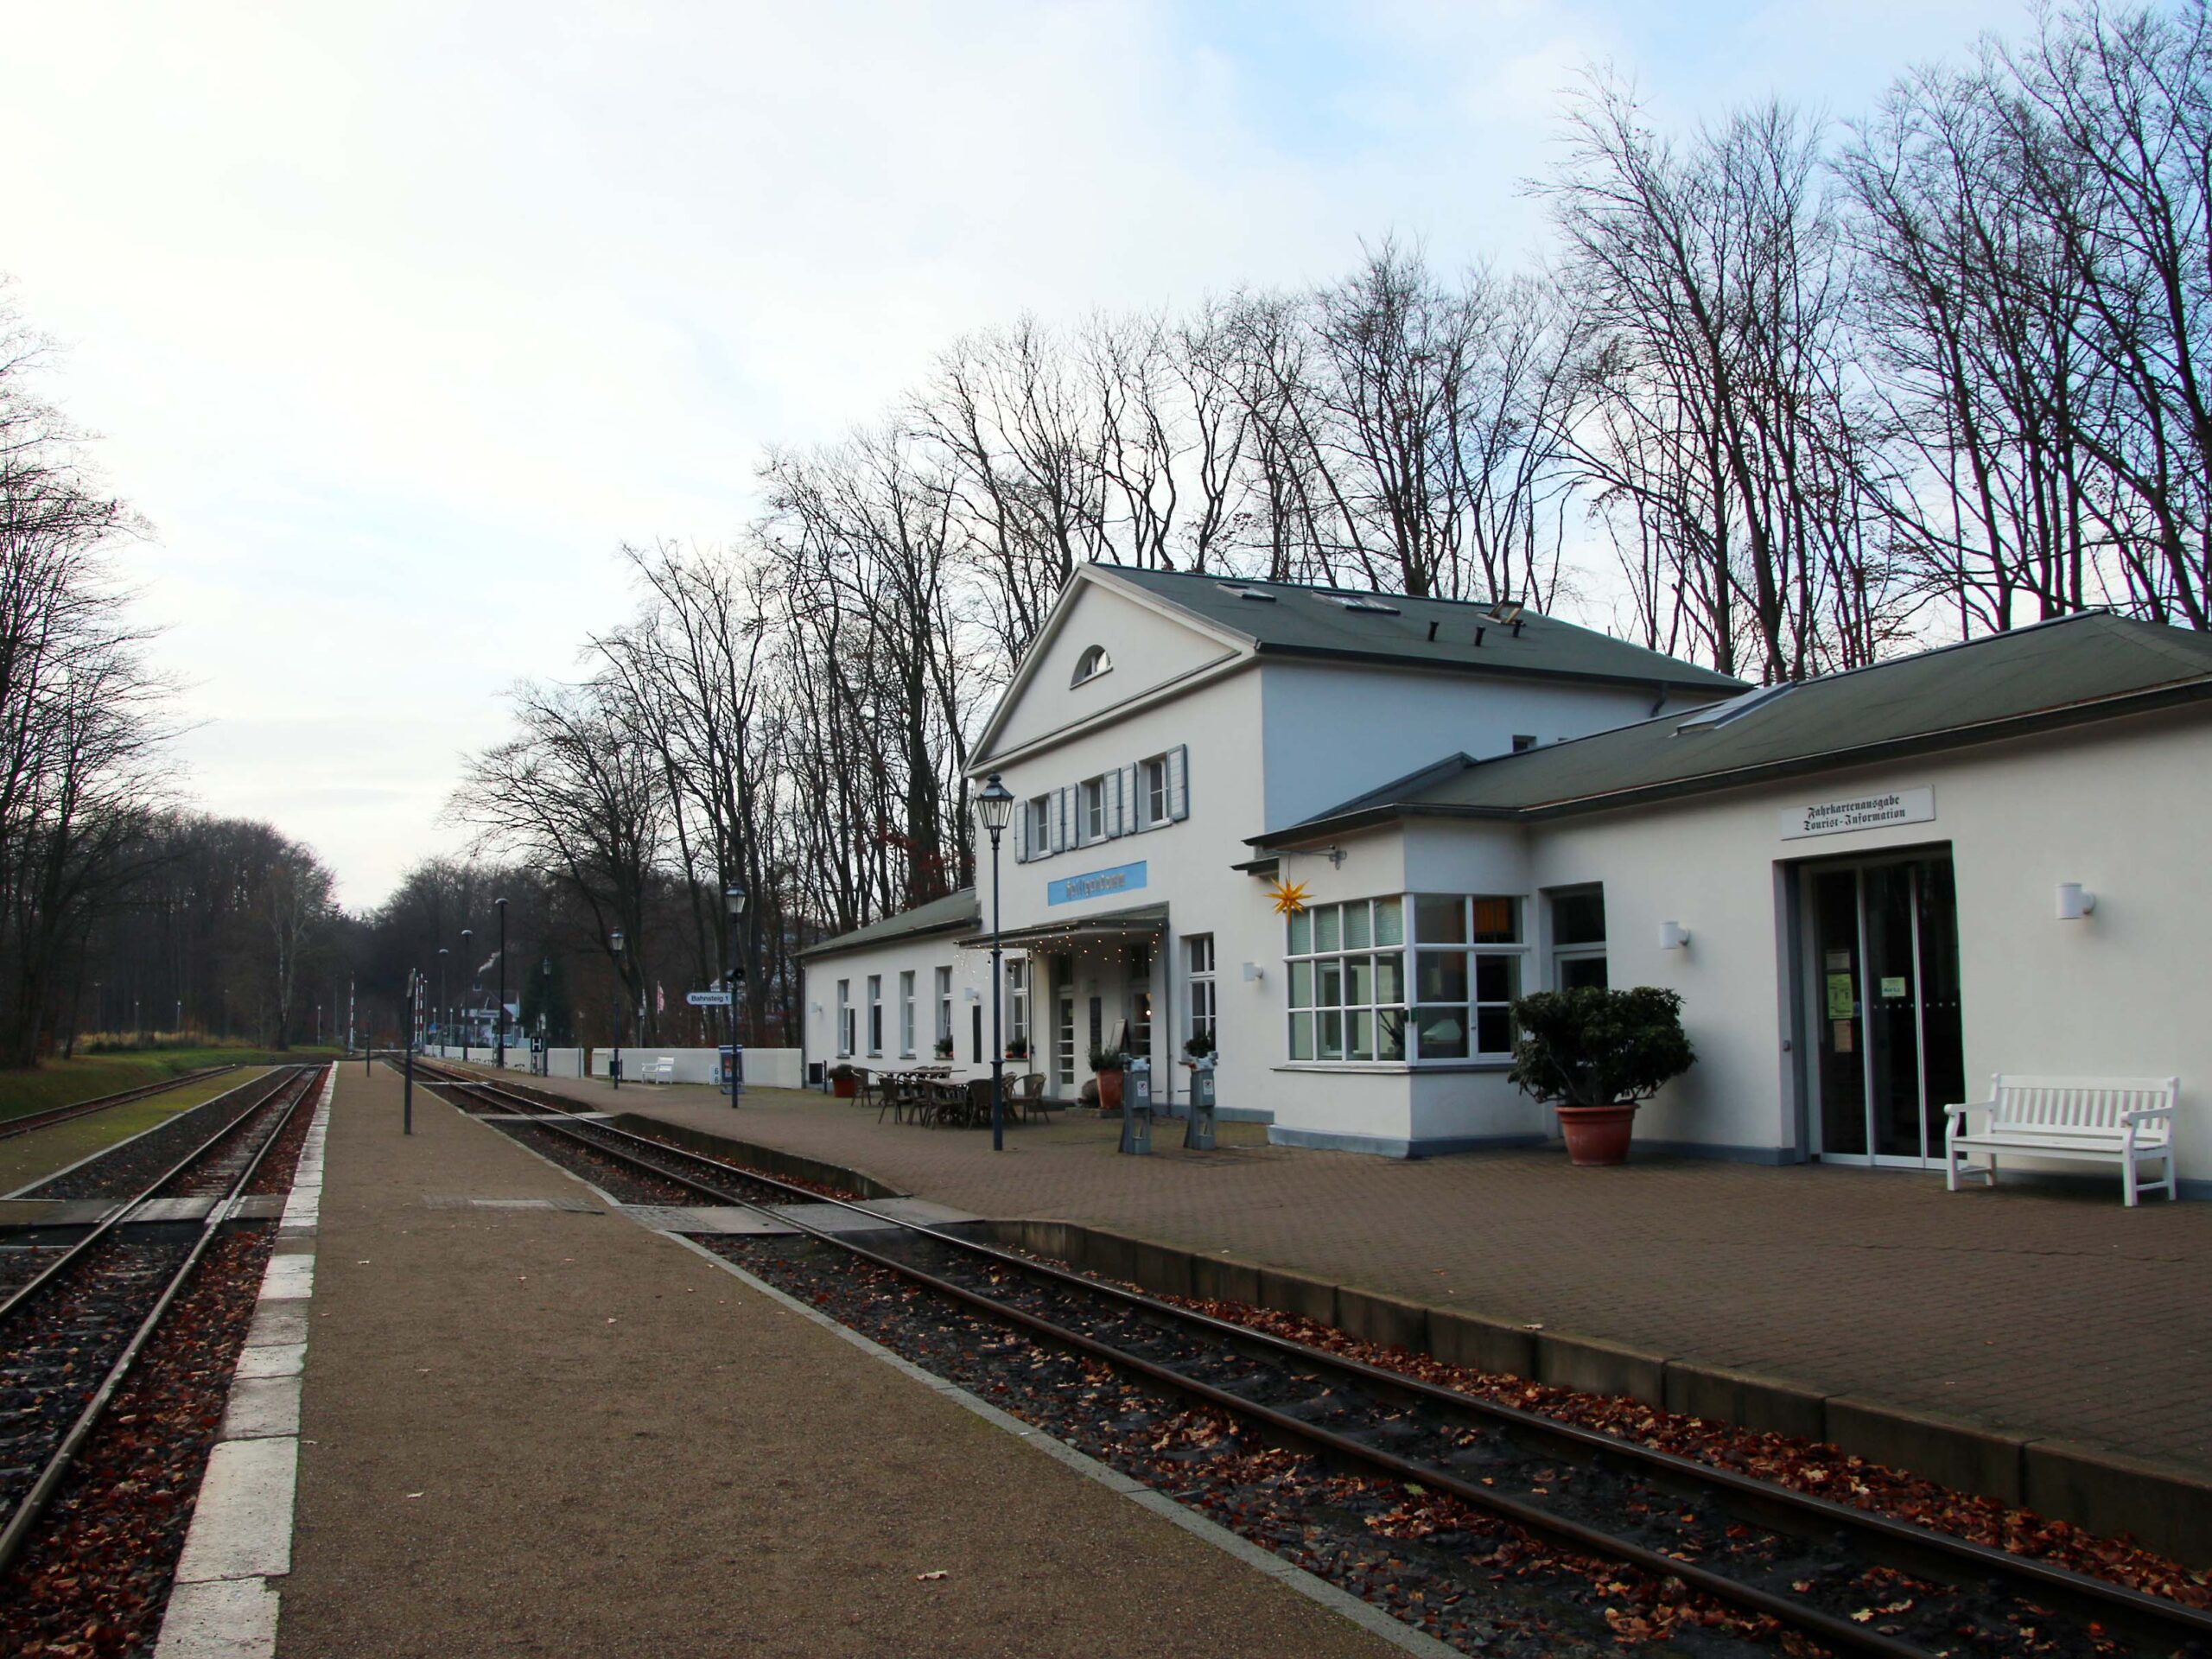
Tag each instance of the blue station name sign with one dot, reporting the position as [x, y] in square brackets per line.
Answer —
[1122, 878]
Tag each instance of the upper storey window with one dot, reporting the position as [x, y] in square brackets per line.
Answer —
[1089, 666]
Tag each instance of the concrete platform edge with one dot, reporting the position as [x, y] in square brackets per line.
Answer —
[223, 1603]
[1369, 1618]
[2104, 1492]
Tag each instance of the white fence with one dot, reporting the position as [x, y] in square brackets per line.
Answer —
[767, 1068]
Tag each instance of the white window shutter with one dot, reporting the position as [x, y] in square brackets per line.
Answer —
[1114, 804]
[1178, 782]
[1132, 801]
[1022, 853]
[1063, 807]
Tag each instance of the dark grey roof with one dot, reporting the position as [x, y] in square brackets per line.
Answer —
[2063, 672]
[1338, 624]
[955, 910]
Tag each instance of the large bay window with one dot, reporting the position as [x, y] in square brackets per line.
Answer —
[1361, 989]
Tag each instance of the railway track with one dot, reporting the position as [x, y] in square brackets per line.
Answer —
[52, 1115]
[70, 1335]
[1802, 1562]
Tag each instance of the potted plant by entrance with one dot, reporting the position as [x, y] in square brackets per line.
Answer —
[944, 1048]
[1199, 1046]
[1596, 1055]
[1017, 1048]
[844, 1083]
[1107, 1064]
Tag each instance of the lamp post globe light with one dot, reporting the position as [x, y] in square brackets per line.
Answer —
[499, 1059]
[468, 984]
[734, 902]
[614, 1066]
[994, 807]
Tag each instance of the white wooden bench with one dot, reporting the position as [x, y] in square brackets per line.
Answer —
[2103, 1120]
[661, 1070]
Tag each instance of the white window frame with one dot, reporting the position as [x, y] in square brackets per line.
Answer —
[1319, 966]
[1037, 827]
[1090, 806]
[1017, 1016]
[845, 1033]
[1154, 794]
[1581, 950]
[1090, 664]
[943, 988]
[875, 1014]
[906, 1013]
[1204, 1011]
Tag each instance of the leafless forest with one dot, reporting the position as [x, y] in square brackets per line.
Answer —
[1790, 394]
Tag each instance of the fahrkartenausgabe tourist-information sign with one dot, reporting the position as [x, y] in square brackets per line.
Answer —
[1860, 812]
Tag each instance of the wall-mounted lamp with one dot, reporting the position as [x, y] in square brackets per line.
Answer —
[1673, 936]
[1253, 972]
[2074, 901]
[814, 1007]
[973, 994]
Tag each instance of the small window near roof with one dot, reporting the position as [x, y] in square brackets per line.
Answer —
[1090, 664]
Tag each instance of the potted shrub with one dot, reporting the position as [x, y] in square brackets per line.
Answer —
[1107, 1064]
[1017, 1048]
[1595, 1055]
[1199, 1047]
[944, 1047]
[844, 1083]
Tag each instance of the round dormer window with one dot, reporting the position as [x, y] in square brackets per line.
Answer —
[1089, 666]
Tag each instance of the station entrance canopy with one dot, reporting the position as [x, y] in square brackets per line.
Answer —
[1142, 922]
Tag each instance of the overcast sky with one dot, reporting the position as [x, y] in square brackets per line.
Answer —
[395, 319]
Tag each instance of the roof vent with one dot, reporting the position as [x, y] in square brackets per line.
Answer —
[1245, 592]
[1715, 716]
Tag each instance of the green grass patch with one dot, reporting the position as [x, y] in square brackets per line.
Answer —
[33, 1157]
[64, 1083]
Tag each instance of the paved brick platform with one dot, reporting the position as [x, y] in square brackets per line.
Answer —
[535, 1429]
[2040, 1314]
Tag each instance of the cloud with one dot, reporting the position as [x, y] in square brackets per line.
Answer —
[397, 318]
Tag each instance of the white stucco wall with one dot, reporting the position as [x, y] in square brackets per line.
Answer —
[971, 971]
[1148, 650]
[2120, 806]
[1335, 729]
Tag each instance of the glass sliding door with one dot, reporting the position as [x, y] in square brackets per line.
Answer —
[1884, 998]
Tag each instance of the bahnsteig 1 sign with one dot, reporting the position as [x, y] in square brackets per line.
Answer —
[1875, 811]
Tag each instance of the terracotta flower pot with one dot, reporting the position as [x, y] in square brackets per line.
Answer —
[1597, 1135]
[844, 1088]
[1110, 1090]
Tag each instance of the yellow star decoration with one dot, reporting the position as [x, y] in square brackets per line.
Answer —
[1290, 898]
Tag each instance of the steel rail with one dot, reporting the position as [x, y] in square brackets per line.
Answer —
[28, 1121]
[35, 1502]
[1917, 1549]
[116, 1216]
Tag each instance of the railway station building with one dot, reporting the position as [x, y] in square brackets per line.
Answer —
[1339, 832]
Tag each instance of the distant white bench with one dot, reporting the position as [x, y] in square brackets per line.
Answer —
[2103, 1120]
[662, 1070]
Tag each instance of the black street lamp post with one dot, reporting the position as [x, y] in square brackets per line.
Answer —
[442, 998]
[544, 1009]
[500, 1002]
[614, 1066]
[993, 808]
[468, 985]
[732, 982]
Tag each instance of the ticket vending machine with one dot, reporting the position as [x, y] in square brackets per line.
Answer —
[1197, 1133]
[1136, 1108]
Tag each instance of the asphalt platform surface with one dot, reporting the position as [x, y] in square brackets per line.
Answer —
[535, 1431]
